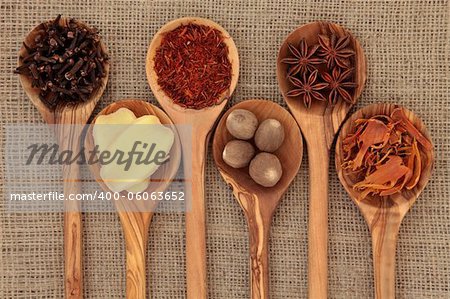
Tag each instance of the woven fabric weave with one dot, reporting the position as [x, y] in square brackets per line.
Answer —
[407, 44]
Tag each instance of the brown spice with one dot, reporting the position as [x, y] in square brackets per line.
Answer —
[338, 85]
[303, 59]
[192, 66]
[329, 62]
[66, 62]
[308, 87]
[335, 51]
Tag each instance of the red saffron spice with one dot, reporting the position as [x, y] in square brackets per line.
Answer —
[193, 67]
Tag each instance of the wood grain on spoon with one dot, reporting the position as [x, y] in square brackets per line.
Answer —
[259, 203]
[384, 216]
[319, 125]
[135, 215]
[68, 137]
[194, 158]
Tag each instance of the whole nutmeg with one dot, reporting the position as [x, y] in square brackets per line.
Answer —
[265, 169]
[270, 135]
[238, 153]
[242, 124]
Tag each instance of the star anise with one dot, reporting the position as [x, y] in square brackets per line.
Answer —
[337, 83]
[303, 59]
[335, 50]
[308, 88]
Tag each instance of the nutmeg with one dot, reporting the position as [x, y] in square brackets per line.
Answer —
[242, 124]
[238, 153]
[270, 135]
[265, 169]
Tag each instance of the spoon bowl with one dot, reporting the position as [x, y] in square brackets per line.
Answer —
[69, 139]
[319, 124]
[290, 153]
[166, 171]
[136, 215]
[384, 215]
[165, 101]
[200, 123]
[83, 109]
[259, 203]
[310, 33]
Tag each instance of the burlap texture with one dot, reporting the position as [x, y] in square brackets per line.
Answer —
[407, 47]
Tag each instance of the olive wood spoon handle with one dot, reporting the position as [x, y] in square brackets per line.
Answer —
[318, 161]
[136, 215]
[194, 167]
[384, 230]
[384, 215]
[136, 229]
[259, 221]
[257, 202]
[194, 160]
[319, 124]
[69, 139]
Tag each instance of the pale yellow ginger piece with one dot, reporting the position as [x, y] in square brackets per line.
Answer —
[115, 176]
[139, 187]
[146, 120]
[108, 127]
[112, 125]
[121, 116]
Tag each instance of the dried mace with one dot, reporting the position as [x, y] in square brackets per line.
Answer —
[384, 154]
[65, 61]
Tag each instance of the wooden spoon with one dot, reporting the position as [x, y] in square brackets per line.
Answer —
[137, 215]
[201, 123]
[258, 202]
[384, 216]
[68, 135]
[319, 125]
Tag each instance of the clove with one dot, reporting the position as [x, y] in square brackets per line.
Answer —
[65, 61]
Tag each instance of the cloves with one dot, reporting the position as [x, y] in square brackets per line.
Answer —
[65, 61]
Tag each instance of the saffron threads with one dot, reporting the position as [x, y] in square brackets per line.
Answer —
[384, 154]
[192, 66]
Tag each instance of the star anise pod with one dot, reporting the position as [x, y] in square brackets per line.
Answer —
[335, 50]
[337, 83]
[303, 59]
[307, 87]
